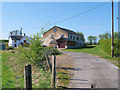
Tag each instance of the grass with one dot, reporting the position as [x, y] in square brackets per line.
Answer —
[64, 78]
[7, 74]
[13, 67]
[95, 50]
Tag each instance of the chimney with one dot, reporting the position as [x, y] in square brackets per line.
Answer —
[20, 31]
[24, 34]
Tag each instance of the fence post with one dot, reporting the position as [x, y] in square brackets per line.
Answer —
[28, 77]
[53, 77]
[48, 62]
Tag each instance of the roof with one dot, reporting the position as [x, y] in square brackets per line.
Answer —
[16, 37]
[53, 42]
[67, 39]
[69, 31]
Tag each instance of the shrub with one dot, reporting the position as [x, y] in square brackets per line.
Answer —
[9, 48]
[106, 46]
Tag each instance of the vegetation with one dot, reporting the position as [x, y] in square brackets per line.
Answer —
[81, 34]
[105, 43]
[13, 64]
[92, 39]
[13, 67]
[3, 41]
[105, 36]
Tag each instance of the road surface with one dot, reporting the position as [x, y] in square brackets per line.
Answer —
[92, 70]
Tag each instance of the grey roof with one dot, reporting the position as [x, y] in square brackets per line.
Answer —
[69, 31]
[53, 42]
[16, 37]
[67, 39]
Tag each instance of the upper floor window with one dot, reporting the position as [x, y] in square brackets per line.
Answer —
[15, 40]
[74, 37]
[55, 30]
[52, 36]
[77, 38]
[70, 36]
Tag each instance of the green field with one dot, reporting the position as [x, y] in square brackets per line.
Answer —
[95, 50]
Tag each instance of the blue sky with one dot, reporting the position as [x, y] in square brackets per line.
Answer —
[32, 16]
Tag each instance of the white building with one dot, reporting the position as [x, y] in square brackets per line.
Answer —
[15, 41]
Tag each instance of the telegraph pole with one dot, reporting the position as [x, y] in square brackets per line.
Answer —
[112, 44]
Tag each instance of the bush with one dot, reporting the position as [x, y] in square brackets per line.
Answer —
[106, 46]
[51, 50]
[9, 48]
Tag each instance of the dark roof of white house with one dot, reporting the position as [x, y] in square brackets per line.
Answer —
[16, 37]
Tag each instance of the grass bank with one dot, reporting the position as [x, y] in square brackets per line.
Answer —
[13, 68]
[95, 50]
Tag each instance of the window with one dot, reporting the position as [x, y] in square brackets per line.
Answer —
[55, 30]
[77, 44]
[52, 36]
[68, 35]
[71, 36]
[15, 40]
[15, 45]
[24, 41]
[77, 38]
[74, 37]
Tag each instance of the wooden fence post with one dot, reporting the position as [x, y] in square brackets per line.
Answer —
[48, 63]
[28, 77]
[53, 71]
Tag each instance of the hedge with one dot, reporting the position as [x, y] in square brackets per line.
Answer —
[106, 46]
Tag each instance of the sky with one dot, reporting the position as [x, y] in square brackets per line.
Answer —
[32, 16]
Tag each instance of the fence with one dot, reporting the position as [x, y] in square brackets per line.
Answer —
[28, 72]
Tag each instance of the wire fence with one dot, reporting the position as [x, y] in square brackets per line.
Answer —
[48, 51]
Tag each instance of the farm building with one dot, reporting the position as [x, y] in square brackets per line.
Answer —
[62, 38]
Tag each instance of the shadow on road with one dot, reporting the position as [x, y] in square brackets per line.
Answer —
[69, 68]
[73, 79]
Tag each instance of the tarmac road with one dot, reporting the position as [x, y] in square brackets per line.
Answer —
[92, 70]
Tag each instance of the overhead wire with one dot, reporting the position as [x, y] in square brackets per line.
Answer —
[84, 12]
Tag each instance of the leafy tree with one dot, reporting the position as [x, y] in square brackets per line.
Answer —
[92, 39]
[81, 34]
[105, 36]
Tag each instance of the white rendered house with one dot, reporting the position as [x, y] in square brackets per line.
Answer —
[16, 40]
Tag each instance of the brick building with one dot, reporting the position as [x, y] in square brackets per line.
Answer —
[62, 38]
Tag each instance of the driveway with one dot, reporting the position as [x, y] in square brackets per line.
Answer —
[91, 70]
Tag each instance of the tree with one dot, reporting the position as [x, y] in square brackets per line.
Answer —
[92, 39]
[81, 34]
[105, 36]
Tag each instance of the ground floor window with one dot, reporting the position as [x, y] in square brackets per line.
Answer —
[24, 41]
[71, 43]
[15, 45]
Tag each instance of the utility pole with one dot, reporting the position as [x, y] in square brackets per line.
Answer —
[112, 44]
